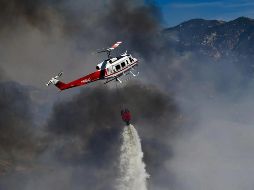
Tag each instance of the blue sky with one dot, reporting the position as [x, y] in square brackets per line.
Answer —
[175, 12]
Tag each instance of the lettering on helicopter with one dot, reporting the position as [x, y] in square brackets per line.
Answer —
[86, 80]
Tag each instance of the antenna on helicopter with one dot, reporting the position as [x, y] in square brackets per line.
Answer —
[108, 50]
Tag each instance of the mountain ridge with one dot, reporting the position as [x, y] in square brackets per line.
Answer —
[214, 38]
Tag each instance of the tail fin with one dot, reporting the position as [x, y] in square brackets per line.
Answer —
[61, 85]
[56, 82]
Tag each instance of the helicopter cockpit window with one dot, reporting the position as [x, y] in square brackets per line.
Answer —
[118, 67]
[123, 64]
[130, 59]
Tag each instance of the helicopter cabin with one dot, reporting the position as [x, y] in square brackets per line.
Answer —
[115, 64]
[121, 63]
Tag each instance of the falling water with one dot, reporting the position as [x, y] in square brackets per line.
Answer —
[133, 175]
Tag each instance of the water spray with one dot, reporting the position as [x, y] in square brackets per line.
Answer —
[133, 174]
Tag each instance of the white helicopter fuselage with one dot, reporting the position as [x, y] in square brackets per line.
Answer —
[117, 66]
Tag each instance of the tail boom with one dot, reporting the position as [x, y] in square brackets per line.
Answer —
[79, 82]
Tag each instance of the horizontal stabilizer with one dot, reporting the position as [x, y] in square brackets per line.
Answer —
[54, 80]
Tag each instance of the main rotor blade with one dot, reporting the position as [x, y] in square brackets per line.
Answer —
[100, 51]
[115, 45]
[109, 49]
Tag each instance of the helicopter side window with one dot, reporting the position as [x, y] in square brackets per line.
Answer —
[130, 59]
[118, 67]
[127, 62]
[123, 64]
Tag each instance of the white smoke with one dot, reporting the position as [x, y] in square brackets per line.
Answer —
[133, 174]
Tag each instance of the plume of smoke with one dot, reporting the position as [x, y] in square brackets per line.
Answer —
[58, 35]
[133, 174]
[15, 121]
[20, 144]
[36, 13]
[89, 124]
[82, 136]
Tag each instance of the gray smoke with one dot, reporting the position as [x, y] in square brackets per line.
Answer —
[14, 12]
[81, 143]
[54, 36]
[93, 118]
[43, 37]
[20, 144]
[211, 102]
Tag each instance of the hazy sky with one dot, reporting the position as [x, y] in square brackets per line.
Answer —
[176, 11]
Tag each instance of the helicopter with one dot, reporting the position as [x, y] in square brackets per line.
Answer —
[111, 69]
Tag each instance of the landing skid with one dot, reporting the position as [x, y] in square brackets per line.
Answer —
[109, 80]
[113, 79]
[136, 74]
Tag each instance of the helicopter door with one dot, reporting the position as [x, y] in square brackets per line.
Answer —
[110, 70]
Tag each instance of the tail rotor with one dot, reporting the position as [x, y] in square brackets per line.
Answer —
[54, 80]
